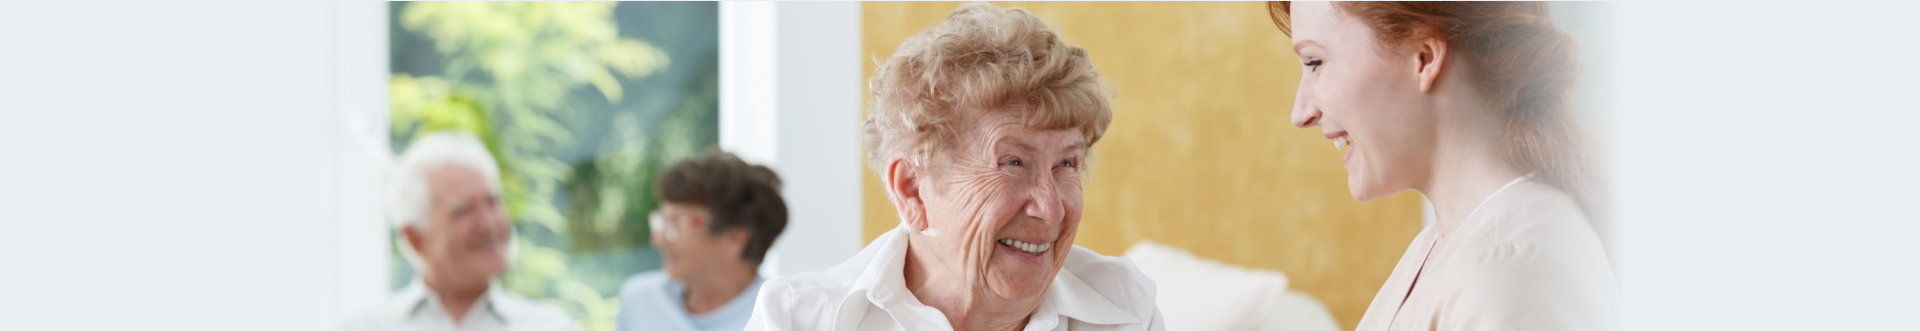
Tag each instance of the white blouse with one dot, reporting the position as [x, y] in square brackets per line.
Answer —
[1525, 259]
[869, 292]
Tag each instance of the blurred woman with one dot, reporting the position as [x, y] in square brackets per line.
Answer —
[980, 130]
[718, 216]
[1465, 103]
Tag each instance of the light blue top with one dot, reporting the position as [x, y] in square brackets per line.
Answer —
[652, 301]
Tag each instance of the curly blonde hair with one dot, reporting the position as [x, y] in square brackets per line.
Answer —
[982, 57]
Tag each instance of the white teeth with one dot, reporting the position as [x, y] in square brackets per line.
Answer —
[1342, 142]
[1026, 246]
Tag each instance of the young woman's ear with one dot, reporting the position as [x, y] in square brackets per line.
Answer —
[903, 183]
[1430, 59]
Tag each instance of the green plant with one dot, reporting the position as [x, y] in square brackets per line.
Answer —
[544, 83]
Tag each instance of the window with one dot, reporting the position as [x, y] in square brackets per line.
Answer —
[581, 104]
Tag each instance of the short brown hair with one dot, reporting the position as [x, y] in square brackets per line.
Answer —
[735, 194]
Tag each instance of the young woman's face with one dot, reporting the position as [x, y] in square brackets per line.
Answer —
[1363, 96]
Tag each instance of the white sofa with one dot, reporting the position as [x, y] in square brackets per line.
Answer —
[1200, 294]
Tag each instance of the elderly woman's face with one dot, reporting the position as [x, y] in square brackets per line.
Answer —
[1005, 202]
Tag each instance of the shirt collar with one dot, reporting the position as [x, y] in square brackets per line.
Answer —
[1071, 297]
[673, 290]
[417, 299]
[883, 283]
[885, 272]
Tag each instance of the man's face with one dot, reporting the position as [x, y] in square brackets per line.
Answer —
[467, 232]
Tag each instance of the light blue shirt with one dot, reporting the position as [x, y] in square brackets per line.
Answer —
[652, 301]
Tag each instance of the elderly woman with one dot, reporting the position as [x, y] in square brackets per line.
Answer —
[980, 130]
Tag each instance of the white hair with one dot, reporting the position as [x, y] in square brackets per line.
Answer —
[409, 196]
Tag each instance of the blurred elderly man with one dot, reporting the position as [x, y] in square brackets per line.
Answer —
[717, 218]
[981, 129]
[446, 203]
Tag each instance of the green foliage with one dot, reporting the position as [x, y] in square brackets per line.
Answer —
[541, 84]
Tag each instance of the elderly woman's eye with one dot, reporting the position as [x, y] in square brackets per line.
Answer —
[1015, 163]
[1066, 164]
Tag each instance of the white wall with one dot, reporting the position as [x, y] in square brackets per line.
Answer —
[219, 166]
[171, 165]
[1768, 159]
[356, 134]
[790, 98]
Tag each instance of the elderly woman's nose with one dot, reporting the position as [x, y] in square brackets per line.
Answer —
[1047, 204]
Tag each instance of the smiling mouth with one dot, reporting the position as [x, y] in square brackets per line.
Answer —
[1028, 247]
[1343, 142]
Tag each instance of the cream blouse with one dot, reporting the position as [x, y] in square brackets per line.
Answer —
[1525, 259]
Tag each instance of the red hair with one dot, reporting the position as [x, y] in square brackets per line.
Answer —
[1517, 57]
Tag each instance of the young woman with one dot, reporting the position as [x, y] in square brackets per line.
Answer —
[1463, 102]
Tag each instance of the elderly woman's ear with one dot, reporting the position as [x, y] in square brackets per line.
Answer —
[903, 182]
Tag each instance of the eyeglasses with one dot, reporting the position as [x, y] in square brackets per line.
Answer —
[667, 227]
[658, 224]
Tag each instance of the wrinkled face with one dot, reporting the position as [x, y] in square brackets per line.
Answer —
[1005, 204]
[1364, 97]
[687, 249]
[467, 232]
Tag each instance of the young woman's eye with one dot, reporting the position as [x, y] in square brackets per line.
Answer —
[1313, 64]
